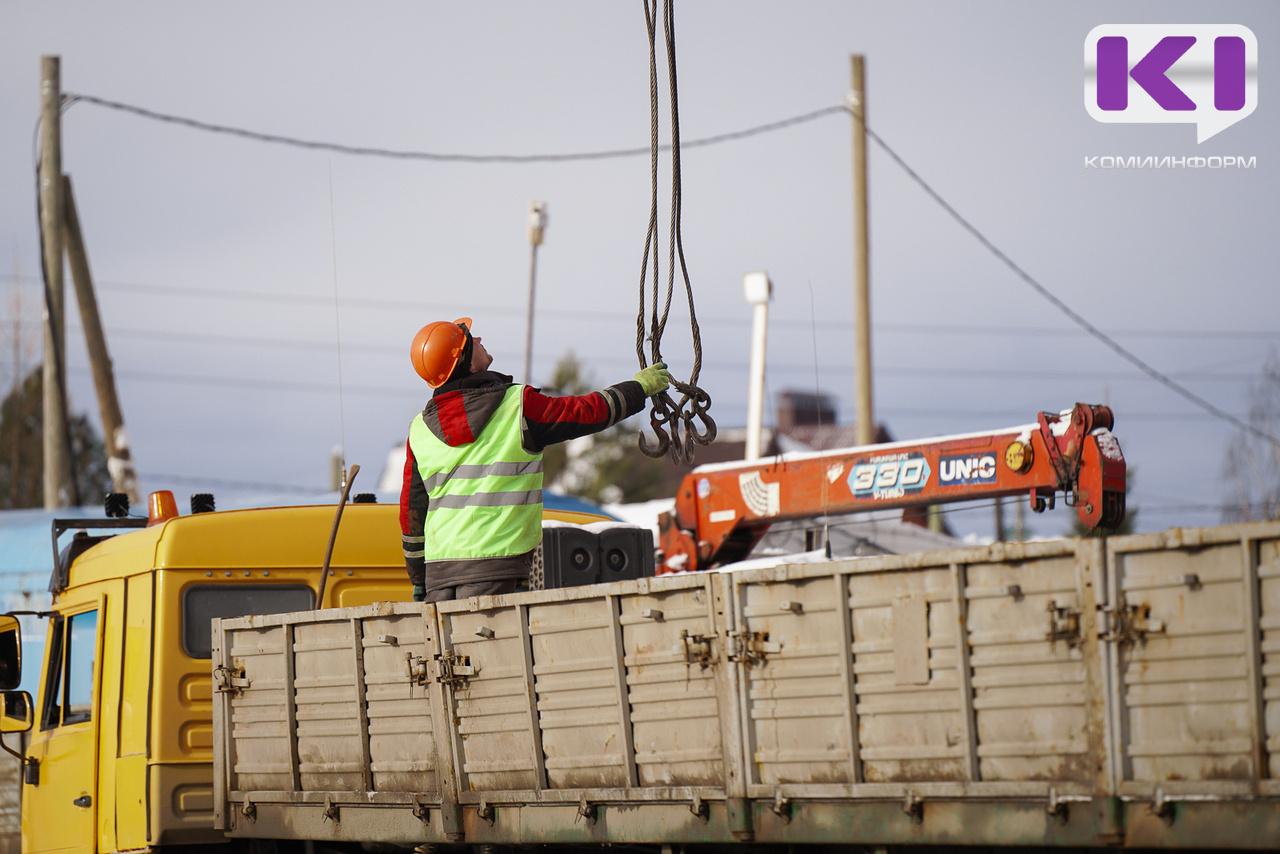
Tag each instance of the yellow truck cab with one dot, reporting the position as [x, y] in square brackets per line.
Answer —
[121, 749]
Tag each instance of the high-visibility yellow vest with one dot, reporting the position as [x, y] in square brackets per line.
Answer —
[484, 498]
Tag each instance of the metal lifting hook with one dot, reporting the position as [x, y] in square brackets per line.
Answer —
[658, 416]
[700, 405]
[666, 413]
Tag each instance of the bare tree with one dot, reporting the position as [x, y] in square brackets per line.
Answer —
[1252, 470]
[18, 349]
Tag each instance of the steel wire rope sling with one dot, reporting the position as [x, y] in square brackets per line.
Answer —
[694, 402]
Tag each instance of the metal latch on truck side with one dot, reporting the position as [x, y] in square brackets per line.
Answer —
[749, 647]
[417, 669]
[696, 649]
[229, 680]
[1126, 624]
[1129, 624]
[1064, 625]
[456, 670]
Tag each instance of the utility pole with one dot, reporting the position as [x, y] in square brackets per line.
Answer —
[119, 457]
[756, 289]
[57, 455]
[537, 224]
[866, 423]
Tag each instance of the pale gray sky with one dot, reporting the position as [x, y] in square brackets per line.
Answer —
[214, 255]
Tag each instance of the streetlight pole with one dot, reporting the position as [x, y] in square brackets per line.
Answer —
[756, 289]
[537, 224]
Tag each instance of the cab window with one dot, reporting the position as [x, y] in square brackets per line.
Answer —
[73, 645]
[201, 603]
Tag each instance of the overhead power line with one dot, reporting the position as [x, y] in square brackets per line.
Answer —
[964, 329]
[211, 482]
[1075, 318]
[440, 157]
[301, 386]
[1079, 320]
[278, 343]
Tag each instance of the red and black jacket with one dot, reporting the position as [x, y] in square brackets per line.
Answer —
[460, 410]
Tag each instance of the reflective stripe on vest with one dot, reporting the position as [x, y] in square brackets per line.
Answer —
[484, 498]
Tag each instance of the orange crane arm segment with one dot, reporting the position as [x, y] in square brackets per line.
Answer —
[722, 510]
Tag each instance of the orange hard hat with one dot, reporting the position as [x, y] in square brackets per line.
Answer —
[437, 349]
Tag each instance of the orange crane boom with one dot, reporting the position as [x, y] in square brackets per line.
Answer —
[722, 510]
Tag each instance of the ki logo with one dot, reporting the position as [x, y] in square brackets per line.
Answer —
[1201, 74]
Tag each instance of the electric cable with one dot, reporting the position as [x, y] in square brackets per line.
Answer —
[337, 331]
[398, 393]
[817, 392]
[1059, 304]
[275, 343]
[966, 330]
[202, 481]
[70, 98]
[1161, 378]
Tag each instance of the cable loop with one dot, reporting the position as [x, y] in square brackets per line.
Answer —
[672, 423]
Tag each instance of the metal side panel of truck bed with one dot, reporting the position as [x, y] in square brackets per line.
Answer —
[1071, 693]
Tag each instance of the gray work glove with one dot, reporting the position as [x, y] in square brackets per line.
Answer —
[419, 593]
[654, 379]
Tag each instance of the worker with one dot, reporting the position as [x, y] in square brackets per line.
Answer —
[471, 502]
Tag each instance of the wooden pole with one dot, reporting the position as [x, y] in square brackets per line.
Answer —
[57, 454]
[866, 423]
[119, 458]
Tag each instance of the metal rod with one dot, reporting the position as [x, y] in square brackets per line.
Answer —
[333, 536]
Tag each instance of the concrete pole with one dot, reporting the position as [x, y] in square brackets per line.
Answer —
[757, 290]
[57, 456]
[537, 224]
[119, 457]
[866, 423]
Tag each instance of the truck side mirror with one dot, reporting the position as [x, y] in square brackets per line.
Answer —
[10, 652]
[17, 713]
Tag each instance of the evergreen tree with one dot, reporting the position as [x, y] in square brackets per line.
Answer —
[22, 449]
